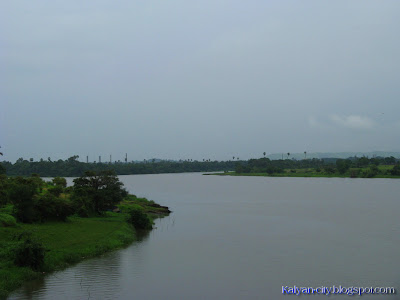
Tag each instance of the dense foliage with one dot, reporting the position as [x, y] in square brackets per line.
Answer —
[34, 200]
[74, 168]
[97, 192]
[139, 219]
[353, 167]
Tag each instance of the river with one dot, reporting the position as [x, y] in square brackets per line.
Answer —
[245, 238]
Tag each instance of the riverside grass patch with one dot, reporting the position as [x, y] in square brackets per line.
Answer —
[65, 243]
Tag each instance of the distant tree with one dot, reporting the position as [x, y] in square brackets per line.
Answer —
[60, 181]
[363, 161]
[390, 160]
[343, 165]
[329, 169]
[396, 170]
[264, 154]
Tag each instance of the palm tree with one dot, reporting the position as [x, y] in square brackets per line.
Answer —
[288, 154]
[264, 154]
[233, 158]
[305, 154]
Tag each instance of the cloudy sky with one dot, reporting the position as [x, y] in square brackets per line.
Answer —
[198, 79]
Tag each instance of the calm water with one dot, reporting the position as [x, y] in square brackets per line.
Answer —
[245, 237]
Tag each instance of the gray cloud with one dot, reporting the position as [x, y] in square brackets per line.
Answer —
[353, 121]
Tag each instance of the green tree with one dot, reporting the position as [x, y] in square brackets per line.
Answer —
[21, 195]
[396, 170]
[343, 165]
[103, 190]
[60, 181]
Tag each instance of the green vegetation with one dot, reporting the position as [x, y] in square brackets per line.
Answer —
[362, 167]
[41, 230]
[71, 167]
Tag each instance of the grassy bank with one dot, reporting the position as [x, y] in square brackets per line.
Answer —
[69, 242]
[382, 172]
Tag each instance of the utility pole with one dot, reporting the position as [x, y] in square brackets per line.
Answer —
[100, 159]
[126, 157]
[110, 158]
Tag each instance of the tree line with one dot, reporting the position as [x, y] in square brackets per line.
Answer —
[34, 200]
[355, 166]
[71, 167]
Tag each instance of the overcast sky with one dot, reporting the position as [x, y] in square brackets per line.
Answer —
[198, 79]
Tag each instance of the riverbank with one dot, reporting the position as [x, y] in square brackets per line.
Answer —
[70, 242]
[358, 173]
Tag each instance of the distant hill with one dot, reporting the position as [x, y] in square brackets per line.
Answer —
[334, 155]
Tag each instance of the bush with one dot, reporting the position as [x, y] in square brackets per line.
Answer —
[83, 205]
[50, 207]
[59, 181]
[29, 252]
[21, 195]
[329, 169]
[370, 172]
[56, 190]
[139, 219]
[7, 220]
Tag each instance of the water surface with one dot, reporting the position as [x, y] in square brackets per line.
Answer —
[243, 238]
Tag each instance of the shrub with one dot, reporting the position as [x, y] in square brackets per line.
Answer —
[83, 206]
[21, 195]
[29, 252]
[50, 207]
[56, 190]
[370, 172]
[139, 219]
[329, 169]
[7, 220]
[60, 181]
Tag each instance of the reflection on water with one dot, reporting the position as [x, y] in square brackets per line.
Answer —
[243, 238]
